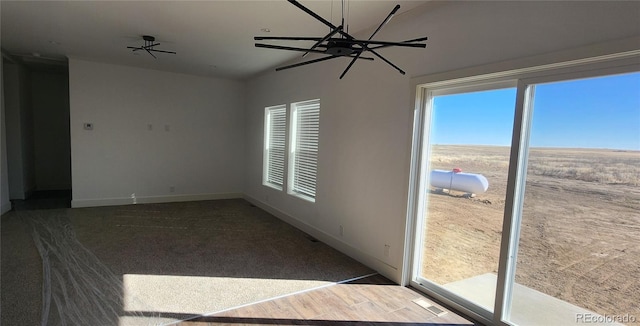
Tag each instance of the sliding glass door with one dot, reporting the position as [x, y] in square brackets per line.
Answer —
[526, 194]
[578, 252]
[465, 169]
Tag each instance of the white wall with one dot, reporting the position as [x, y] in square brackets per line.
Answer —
[201, 155]
[366, 118]
[5, 204]
[471, 33]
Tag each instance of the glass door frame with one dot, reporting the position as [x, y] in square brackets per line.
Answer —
[425, 88]
[428, 95]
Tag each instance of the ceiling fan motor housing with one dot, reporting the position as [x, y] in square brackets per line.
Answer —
[340, 48]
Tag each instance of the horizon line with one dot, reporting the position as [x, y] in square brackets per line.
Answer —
[548, 147]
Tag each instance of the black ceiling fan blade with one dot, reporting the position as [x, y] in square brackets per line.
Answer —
[279, 47]
[318, 60]
[316, 16]
[403, 43]
[409, 43]
[326, 37]
[134, 48]
[350, 64]
[387, 44]
[286, 38]
[151, 54]
[365, 44]
[307, 62]
[163, 51]
[150, 46]
[420, 39]
[385, 60]
[386, 20]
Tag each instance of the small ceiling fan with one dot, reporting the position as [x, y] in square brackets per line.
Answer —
[149, 44]
[339, 43]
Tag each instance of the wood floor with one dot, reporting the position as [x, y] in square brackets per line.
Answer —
[371, 301]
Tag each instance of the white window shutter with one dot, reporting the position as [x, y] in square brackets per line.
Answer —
[304, 148]
[275, 141]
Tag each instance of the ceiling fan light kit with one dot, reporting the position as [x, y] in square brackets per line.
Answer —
[339, 43]
[149, 44]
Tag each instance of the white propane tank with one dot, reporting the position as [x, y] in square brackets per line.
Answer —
[468, 182]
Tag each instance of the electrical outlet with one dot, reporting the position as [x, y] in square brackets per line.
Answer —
[387, 249]
[150, 127]
[172, 189]
[341, 231]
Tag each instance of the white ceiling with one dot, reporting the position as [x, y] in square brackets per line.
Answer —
[211, 38]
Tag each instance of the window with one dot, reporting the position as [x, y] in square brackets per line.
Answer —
[303, 156]
[303, 148]
[275, 124]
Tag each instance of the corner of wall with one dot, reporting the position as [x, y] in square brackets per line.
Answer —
[388, 271]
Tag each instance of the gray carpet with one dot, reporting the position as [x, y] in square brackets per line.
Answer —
[154, 264]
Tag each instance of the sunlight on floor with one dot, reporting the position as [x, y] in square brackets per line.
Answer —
[373, 301]
[202, 295]
[145, 321]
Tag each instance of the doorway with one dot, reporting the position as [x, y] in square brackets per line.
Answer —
[38, 133]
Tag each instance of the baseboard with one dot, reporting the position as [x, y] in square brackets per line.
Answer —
[388, 271]
[76, 203]
[5, 208]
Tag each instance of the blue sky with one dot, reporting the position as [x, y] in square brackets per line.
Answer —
[601, 112]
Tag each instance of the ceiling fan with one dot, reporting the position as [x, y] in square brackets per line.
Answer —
[149, 44]
[339, 43]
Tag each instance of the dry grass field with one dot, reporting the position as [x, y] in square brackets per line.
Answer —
[580, 230]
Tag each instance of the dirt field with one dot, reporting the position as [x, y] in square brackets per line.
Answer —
[580, 231]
